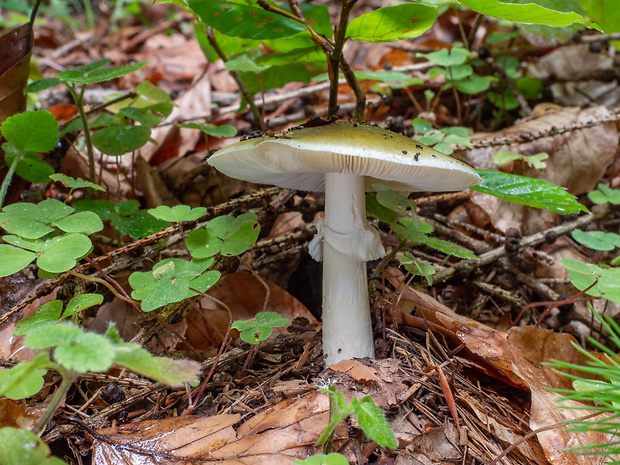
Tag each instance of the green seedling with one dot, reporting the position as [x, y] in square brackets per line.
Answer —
[125, 217]
[73, 183]
[116, 135]
[23, 447]
[224, 130]
[441, 139]
[503, 157]
[51, 232]
[172, 280]
[260, 328]
[52, 312]
[605, 195]
[178, 213]
[322, 459]
[601, 394]
[597, 281]
[28, 133]
[369, 416]
[226, 235]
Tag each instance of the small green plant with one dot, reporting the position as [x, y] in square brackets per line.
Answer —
[441, 139]
[600, 396]
[260, 328]
[115, 133]
[368, 415]
[324, 459]
[537, 161]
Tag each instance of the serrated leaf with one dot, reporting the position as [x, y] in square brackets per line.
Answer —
[528, 13]
[94, 74]
[87, 352]
[73, 183]
[31, 131]
[24, 379]
[528, 191]
[118, 140]
[416, 267]
[42, 84]
[178, 213]
[14, 259]
[52, 335]
[249, 22]
[392, 23]
[372, 421]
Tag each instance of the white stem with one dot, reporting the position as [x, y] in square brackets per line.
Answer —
[347, 330]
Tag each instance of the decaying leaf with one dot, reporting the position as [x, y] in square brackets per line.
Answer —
[577, 160]
[278, 435]
[529, 347]
[15, 52]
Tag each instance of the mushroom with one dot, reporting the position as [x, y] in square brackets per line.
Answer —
[344, 160]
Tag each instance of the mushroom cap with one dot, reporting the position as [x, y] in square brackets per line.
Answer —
[299, 159]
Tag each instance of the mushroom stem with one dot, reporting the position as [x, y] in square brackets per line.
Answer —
[348, 242]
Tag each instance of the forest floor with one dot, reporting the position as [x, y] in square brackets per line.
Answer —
[459, 369]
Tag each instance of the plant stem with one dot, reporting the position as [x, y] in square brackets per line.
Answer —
[258, 119]
[68, 377]
[79, 100]
[9, 176]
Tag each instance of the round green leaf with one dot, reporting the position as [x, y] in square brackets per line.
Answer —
[87, 352]
[256, 335]
[14, 259]
[47, 313]
[23, 380]
[178, 213]
[118, 140]
[82, 302]
[81, 222]
[52, 335]
[271, 319]
[64, 253]
[597, 240]
[30, 167]
[32, 131]
[202, 244]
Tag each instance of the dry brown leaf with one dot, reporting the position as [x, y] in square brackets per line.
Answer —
[245, 296]
[356, 370]
[15, 52]
[577, 161]
[278, 435]
[529, 347]
[486, 347]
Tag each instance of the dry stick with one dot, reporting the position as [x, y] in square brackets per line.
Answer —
[258, 119]
[466, 267]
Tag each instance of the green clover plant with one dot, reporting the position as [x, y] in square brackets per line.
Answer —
[260, 328]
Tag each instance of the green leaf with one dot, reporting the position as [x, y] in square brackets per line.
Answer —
[604, 12]
[584, 275]
[243, 63]
[87, 352]
[82, 302]
[64, 253]
[14, 259]
[118, 140]
[239, 234]
[321, 459]
[597, 240]
[416, 267]
[92, 74]
[604, 195]
[392, 23]
[80, 222]
[249, 22]
[256, 335]
[139, 360]
[474, 84]
[528, 191]
[25, 379]
[103, 208]
[140, 224]
[372, 421]
[32, 131]
[528, 13]
[169, 282]
[271, 319]
[73, 183]
[22, 447]
[205, 281]
[30, 167]
[47, 313]
[52, 335]
[224, 130]
[449, 248]
[41, 84]
[376, 210]
[505, 100]
[202, 244]
[178, 213]
[447, 58]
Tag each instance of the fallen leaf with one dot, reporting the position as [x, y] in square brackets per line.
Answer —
[15, 52]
